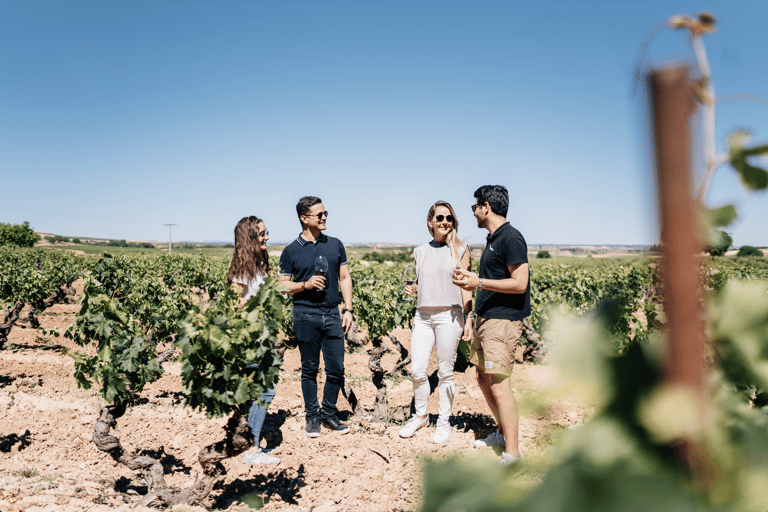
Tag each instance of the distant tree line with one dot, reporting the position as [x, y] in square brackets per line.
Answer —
[57, 239]
[393, 256]
[123, 243]
[22, 235]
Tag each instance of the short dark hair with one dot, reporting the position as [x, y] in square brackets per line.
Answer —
[496, 196]
[305, 203]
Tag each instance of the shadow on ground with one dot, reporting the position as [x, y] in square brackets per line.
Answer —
[285, 483]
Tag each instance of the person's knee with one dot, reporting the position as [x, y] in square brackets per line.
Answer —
[335, 373]
[499, 385]
[419, 377]
[445, 374]
[309, 372]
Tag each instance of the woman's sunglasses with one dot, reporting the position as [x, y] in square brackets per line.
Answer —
[441, 218]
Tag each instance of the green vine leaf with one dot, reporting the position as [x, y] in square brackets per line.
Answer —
[753, 177]
[722, 216]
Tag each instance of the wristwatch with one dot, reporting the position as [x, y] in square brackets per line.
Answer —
[480, 284]
[350, 310]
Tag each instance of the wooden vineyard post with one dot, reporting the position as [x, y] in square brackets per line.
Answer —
[672, 106]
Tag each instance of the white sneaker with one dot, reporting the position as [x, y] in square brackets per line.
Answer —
[260, 457]
[509, 459]
[442, 432]
[414, 424]
[495, 439]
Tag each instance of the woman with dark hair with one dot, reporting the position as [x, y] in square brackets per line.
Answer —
[249, 267]
[440, 317]
[250, 261]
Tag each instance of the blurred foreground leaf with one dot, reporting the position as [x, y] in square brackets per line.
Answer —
[753, 177]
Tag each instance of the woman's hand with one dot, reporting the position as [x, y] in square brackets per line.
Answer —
[411, 289]
[469, 330]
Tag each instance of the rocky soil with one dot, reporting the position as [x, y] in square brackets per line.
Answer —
[48, 463]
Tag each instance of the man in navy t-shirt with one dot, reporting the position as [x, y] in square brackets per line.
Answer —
[316, 320]
[503, 300]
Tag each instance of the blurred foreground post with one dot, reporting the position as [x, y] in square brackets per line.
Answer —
[672, 108]
[672, 105]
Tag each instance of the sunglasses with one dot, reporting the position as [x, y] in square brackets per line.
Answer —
[440, 218]
[476, 206]
[318, 215]
[263, 234]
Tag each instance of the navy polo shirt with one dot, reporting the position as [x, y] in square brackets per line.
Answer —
[298, 261]
[504, 247]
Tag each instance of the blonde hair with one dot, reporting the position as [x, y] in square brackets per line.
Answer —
[452, 240]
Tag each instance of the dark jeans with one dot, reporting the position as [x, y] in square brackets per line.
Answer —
[320, 331]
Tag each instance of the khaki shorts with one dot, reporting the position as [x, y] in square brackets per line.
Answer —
[494, 344]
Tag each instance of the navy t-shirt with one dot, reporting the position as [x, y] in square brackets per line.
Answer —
[504, 247]
[298, 260]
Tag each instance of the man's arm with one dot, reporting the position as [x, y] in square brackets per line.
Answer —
[299, 286]
[285, 279]
[466, 301]
[345, 285]
[517, 283]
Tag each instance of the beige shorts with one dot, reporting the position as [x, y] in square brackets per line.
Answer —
[494, 344]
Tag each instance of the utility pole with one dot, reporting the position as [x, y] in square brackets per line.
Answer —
[170, 244]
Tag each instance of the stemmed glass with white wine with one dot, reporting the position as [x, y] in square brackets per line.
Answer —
[321, 265]
[409, 276]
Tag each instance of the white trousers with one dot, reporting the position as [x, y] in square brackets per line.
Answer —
[442, 326]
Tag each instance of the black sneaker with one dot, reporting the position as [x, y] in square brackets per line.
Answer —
[313, 426]
[334, 424]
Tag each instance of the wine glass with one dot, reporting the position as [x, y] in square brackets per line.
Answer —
[409, 276]
[321, 265]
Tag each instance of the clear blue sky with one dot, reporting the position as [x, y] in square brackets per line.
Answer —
[118, 117]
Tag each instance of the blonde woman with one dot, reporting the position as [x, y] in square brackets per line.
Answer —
[439, 322]
[249, 267]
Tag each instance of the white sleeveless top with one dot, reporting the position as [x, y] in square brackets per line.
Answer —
[434, 271]
[251, 287]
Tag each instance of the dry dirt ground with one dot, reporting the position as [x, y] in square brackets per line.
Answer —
[48, 463]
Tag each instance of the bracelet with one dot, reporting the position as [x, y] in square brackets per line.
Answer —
[350, 310]
[480, 284]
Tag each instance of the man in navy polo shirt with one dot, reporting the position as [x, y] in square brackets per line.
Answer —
[503, 301]
[316, 320]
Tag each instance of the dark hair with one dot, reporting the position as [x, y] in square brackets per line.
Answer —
[305, 203]
[248, 260]
[496, 196]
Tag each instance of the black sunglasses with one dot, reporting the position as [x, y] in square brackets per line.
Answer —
[440, 218]
[476, 206]
[318, 215]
